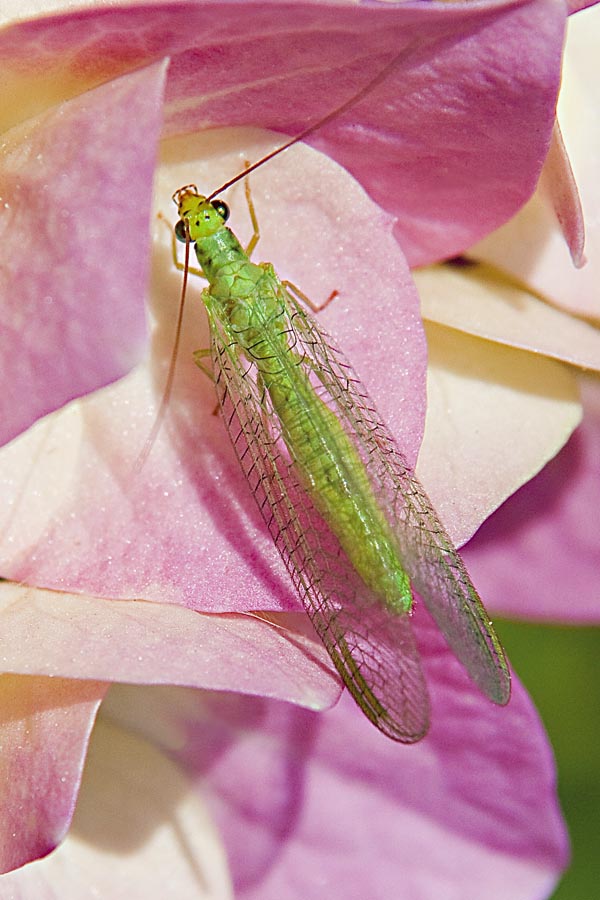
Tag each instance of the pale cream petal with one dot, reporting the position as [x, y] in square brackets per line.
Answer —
[482, 301]
[140, 830]
[495, 416]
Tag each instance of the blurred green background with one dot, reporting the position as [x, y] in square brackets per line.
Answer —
[559, 665]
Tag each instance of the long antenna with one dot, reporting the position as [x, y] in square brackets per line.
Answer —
[316, 126]
[306, 132]
[166, 395]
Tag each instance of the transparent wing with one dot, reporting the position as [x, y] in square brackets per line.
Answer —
[373, 650]
[433, 565]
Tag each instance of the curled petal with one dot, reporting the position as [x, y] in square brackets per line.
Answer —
[45, 724]
[531, 247]
[480, 300]
[483, 399]
[151, 643]
[73, 295]
[558, 180]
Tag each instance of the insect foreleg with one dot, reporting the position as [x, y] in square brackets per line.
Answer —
[179, 265]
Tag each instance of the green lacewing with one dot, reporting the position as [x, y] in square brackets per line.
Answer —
[346, 512]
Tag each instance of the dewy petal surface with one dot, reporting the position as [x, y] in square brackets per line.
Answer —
[192, 101]
[172, 532]
[79, 515]
[45, 724]
[151, 643]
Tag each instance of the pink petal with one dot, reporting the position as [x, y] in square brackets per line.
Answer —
[559, 182]
[577, 5]
[79, 517]
[44, 729]
[136, 819]
[43, 633]
[325, 805]
[452, 142]
[409, 144]
[495, 416]
[531, 246]
[73, 314]
[538, 556]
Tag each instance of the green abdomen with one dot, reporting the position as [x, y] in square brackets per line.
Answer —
[335, 477]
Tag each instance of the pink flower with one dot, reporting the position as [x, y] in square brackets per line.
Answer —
[451, 145]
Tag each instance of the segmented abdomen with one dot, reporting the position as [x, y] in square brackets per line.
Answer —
[333, 473]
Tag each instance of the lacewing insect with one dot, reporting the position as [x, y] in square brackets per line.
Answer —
[353, 525]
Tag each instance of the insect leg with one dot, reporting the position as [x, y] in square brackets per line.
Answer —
[179, 265]
[200, 355]
[306, 300]
[253, 218]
